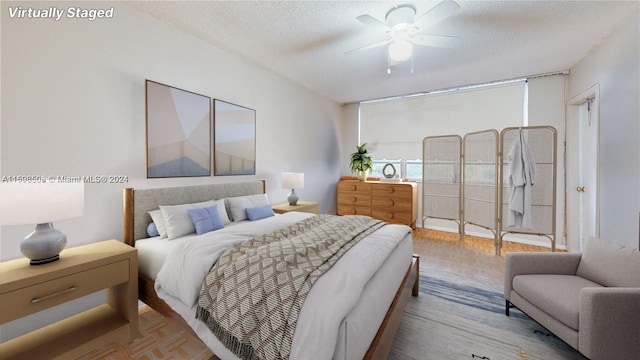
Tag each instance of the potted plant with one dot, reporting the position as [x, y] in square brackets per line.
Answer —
[361, 162]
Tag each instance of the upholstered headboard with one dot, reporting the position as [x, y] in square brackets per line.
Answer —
[138, 202]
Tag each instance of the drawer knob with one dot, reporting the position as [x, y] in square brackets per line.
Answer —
[390, 215]
[57, 293]
[391, 189]
[355, 199]
[354, 188]
[391, 202]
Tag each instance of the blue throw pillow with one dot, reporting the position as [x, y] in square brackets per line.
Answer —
[152, 230]
[259, 212]
[206, 219]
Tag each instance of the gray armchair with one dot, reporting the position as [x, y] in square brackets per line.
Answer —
[590, 300]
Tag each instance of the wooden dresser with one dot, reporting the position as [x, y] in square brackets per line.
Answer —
[392, 202]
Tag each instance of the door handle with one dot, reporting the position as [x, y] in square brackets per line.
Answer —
[580, 188]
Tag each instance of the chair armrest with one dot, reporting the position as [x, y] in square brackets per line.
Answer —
[609, 323]
[538, 263]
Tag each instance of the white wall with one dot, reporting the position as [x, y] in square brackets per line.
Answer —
[349, 127]
[615, 67]
[73, 101]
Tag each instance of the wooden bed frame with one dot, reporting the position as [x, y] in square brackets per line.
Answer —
[382, 342]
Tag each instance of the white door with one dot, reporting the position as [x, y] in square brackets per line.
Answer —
[588, 170]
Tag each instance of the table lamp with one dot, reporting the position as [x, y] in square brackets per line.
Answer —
[292, 181]
[40, 204]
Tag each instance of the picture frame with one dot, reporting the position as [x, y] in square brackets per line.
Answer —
[234, 139]
[178, 132]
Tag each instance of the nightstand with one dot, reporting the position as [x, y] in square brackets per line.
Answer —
[82, 270]
[303, 206]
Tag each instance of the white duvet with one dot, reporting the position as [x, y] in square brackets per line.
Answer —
[329, 301]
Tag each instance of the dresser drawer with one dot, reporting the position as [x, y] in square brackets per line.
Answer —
[354, 187]
[392, 203]
[397, 217]
[397, 190]
[353, 210]
[30, 299]
[354, 199]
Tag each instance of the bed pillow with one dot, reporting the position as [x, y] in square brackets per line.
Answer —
[152, 230]
[177, 220]
[260, 212]
[158, 220]
[206, 219]
[239, 204]
[222, 211]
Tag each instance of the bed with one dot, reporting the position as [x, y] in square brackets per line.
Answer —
[365, 329]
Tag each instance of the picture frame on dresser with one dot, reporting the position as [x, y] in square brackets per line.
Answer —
[178, 132]
[234, 145]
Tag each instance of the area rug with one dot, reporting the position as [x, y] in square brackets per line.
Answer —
[457, 317]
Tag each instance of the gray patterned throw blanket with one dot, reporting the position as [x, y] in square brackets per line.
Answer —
[252, 296]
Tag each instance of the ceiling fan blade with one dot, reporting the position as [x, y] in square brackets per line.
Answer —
[440, 41]
[370, 46]
[438, 13]
[373, 22]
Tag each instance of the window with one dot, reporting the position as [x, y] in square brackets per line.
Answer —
[395, 128]
[405, 169]
[379, 164]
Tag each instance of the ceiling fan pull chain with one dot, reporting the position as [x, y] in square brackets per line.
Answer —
[388, 64]
[412, 63]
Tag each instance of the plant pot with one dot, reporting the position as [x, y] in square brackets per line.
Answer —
[362, 175]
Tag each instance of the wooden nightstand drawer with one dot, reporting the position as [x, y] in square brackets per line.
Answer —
[81, 270]
[41, 296]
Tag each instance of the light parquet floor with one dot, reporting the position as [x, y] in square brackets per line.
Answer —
[160, 338]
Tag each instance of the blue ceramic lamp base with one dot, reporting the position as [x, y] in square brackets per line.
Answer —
[44, 244]
[292, 198]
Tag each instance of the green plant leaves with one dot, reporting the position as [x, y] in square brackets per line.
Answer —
[361, 160]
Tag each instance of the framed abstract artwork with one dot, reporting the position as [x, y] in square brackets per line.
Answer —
[234, 139]
[178, 132]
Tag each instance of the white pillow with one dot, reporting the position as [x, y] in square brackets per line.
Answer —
[177, 219]
[158, 219]
[237, 205]
[222, 211]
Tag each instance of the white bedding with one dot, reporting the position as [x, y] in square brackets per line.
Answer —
[153, 251]
[329, 302]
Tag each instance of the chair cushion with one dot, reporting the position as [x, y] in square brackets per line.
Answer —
[610, 264]
[557, 295]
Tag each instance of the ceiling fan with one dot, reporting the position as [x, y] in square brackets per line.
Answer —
[405, 30]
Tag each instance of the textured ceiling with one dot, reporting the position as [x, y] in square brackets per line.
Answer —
[306, 41]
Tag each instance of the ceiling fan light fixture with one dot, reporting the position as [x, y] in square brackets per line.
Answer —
[400, 50]
[401, 14]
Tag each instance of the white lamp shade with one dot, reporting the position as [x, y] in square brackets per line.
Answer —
[292, 180]
[37, 203]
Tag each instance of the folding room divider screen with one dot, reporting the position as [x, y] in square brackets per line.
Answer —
[466, 180]
[441, 179]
